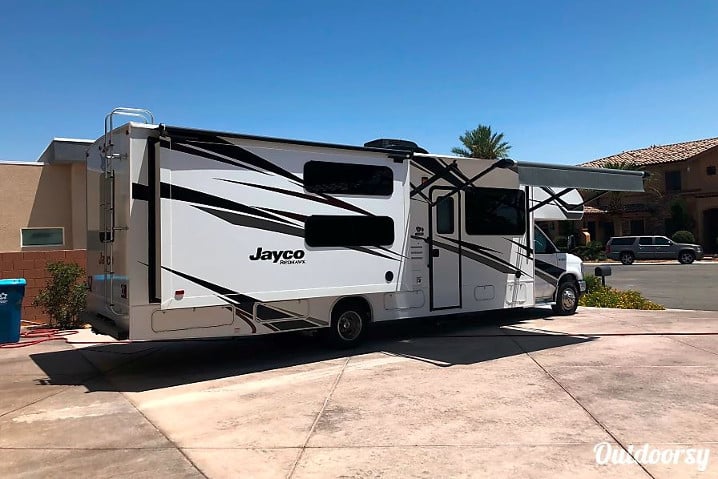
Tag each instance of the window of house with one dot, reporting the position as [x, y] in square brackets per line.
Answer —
[710, 170]
[42, 237]
[324, 230]
[495, 211]
[637, 227]
[348, 178]
[445, 215]
[673, 180]
[645, 240]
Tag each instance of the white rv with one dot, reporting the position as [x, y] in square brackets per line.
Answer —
[197, 234]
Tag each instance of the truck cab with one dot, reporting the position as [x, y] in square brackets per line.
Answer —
[559, 276]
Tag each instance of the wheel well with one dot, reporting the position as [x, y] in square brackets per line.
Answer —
[358, 303]
[627, 251]
[566, 278]
[687, 251]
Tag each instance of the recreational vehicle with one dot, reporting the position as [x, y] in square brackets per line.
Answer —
[197, 234]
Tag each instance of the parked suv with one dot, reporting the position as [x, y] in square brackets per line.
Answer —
[629, 248]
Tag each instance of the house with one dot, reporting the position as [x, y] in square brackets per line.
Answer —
[42, 215]
[682, 176]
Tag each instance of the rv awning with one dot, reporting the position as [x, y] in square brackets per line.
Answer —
[564, 176]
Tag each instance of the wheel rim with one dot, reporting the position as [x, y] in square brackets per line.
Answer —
[627, 258]
[568, 299]
[686, 257]
[349, 325]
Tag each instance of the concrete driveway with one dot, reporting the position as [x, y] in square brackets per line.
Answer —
[525, 395]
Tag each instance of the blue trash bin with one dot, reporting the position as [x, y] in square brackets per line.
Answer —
[11, 294]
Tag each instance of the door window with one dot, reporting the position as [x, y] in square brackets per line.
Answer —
[542, 245]
[445, 215]
[661, 241]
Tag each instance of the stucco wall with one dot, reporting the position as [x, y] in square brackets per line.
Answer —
[38, 195]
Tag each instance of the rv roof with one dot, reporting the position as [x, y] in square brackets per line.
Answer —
[193, 133]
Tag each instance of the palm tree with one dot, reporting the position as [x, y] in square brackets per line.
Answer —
[481, 142]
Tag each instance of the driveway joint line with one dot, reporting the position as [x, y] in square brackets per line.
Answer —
[105, 375]
[585, 409]
[318, 417]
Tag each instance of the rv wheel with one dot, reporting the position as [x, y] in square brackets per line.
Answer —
[349, 324]
[566, 299]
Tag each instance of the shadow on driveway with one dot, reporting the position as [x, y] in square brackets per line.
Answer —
[143, 366]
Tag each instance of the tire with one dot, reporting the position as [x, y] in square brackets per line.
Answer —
[566, 299]
[686, 257]
[627, 257]
[350, 321]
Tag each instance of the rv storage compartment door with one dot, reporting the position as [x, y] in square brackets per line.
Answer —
[245, 219]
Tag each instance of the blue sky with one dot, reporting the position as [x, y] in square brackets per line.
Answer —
[566, 82]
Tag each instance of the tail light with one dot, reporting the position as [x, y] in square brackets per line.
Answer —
[608, 248]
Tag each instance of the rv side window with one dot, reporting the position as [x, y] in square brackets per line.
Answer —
[348, 179]
[445, 215]
[320, 230]
[495, 211]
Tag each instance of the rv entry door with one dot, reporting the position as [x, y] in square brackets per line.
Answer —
[445, 257]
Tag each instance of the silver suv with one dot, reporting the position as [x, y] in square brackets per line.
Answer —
[629, 248]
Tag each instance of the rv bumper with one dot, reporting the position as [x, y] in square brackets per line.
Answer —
[581, 286]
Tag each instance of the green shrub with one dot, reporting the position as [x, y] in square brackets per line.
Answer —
[607, 297]
[592, 282]
[64, 296]
[683, 237]
[591, 252]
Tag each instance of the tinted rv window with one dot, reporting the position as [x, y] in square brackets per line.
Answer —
[349, 230]
[445, 215]
[347, 179]
[495, 211]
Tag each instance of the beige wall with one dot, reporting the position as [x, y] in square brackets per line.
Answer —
[40, 195]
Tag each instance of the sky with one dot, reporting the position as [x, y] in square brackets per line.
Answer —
[566, 82]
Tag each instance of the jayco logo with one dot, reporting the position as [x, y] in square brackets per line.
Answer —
[279, 256]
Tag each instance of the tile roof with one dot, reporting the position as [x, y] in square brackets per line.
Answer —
[657, 154]
[590, 210]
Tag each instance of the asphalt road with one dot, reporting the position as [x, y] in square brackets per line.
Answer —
[677, 286]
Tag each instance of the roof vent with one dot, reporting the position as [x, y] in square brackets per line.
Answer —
[393, 144]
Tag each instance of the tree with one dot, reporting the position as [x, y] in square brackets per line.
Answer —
[615, 202]
[481, 142]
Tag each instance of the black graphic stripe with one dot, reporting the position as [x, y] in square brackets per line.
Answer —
[529, 250]
[288, 214]
[546, 277]
[231, 150]
[549, 268]
[253, 222]
[324, 199]
[195, 151]
[293, 324]
[187, 195]
[239, 300]
[435, 167]
[496, 265]
[140, 192]
[258, 223]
